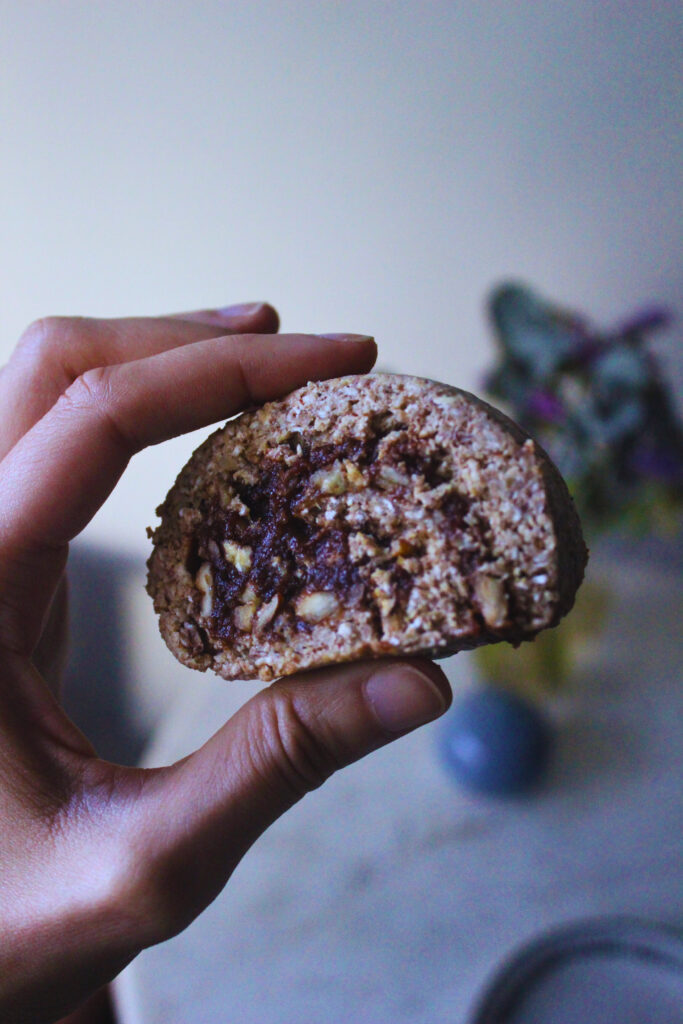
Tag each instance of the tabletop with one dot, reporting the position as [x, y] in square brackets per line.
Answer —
[391, 894]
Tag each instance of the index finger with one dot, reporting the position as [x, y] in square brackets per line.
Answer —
[56, 477]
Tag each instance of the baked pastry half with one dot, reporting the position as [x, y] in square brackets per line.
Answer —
[361, 517]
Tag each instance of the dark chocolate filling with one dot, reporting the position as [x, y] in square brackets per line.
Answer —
[294, 551]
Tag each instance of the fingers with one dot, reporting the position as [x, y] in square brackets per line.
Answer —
[55, 351]
[197, 819]
[100, 861]
[62, 470]
[56, 477]
[50, 656]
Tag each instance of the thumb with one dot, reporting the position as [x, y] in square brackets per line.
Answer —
[202, 814]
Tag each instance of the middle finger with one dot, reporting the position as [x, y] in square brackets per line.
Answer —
[55, 351]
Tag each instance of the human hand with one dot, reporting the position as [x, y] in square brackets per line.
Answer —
[98, 861]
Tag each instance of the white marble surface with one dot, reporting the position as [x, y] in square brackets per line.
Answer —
[390, 895]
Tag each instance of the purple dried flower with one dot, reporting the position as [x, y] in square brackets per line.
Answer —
[544, 405]
[649, 318]
[659, 464]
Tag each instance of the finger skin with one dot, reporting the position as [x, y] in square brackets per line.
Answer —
[50, 656]
[285, 742]
[58, 474]
[97, 1010]
[81, 446]
[131, 856]
[54, 351]
[99, 861]
[242, 319]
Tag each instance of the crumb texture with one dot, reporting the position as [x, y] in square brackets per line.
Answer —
[361, 517]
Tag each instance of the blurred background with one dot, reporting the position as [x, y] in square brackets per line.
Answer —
[370, 167]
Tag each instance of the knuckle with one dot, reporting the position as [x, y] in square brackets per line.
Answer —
[41, 333]
[49, 338]
[152, 878]
[292, 748]
[161, 899]
[95, 392]
[91, 389]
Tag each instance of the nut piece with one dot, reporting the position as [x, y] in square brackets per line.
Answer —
[383, 591]
[355, 478]
[191, 638]
[402, 546]
[266, 614]
[490, 594]
[363, 546]
[204, 583]
[246, 475]
[317, 606]
[243, 616]
[238, 555]
[330, 480]
[389, 476]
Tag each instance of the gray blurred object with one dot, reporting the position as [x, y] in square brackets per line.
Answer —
[97, 690]
[598, 971]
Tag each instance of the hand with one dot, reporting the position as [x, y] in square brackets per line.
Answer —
[97, 860]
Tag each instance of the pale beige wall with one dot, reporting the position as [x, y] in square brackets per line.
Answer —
[365, 166]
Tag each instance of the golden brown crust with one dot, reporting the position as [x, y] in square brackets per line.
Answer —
[430, 522]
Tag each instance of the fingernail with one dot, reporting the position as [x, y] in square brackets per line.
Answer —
[242, 309]
[402, 698]
[347, 337]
